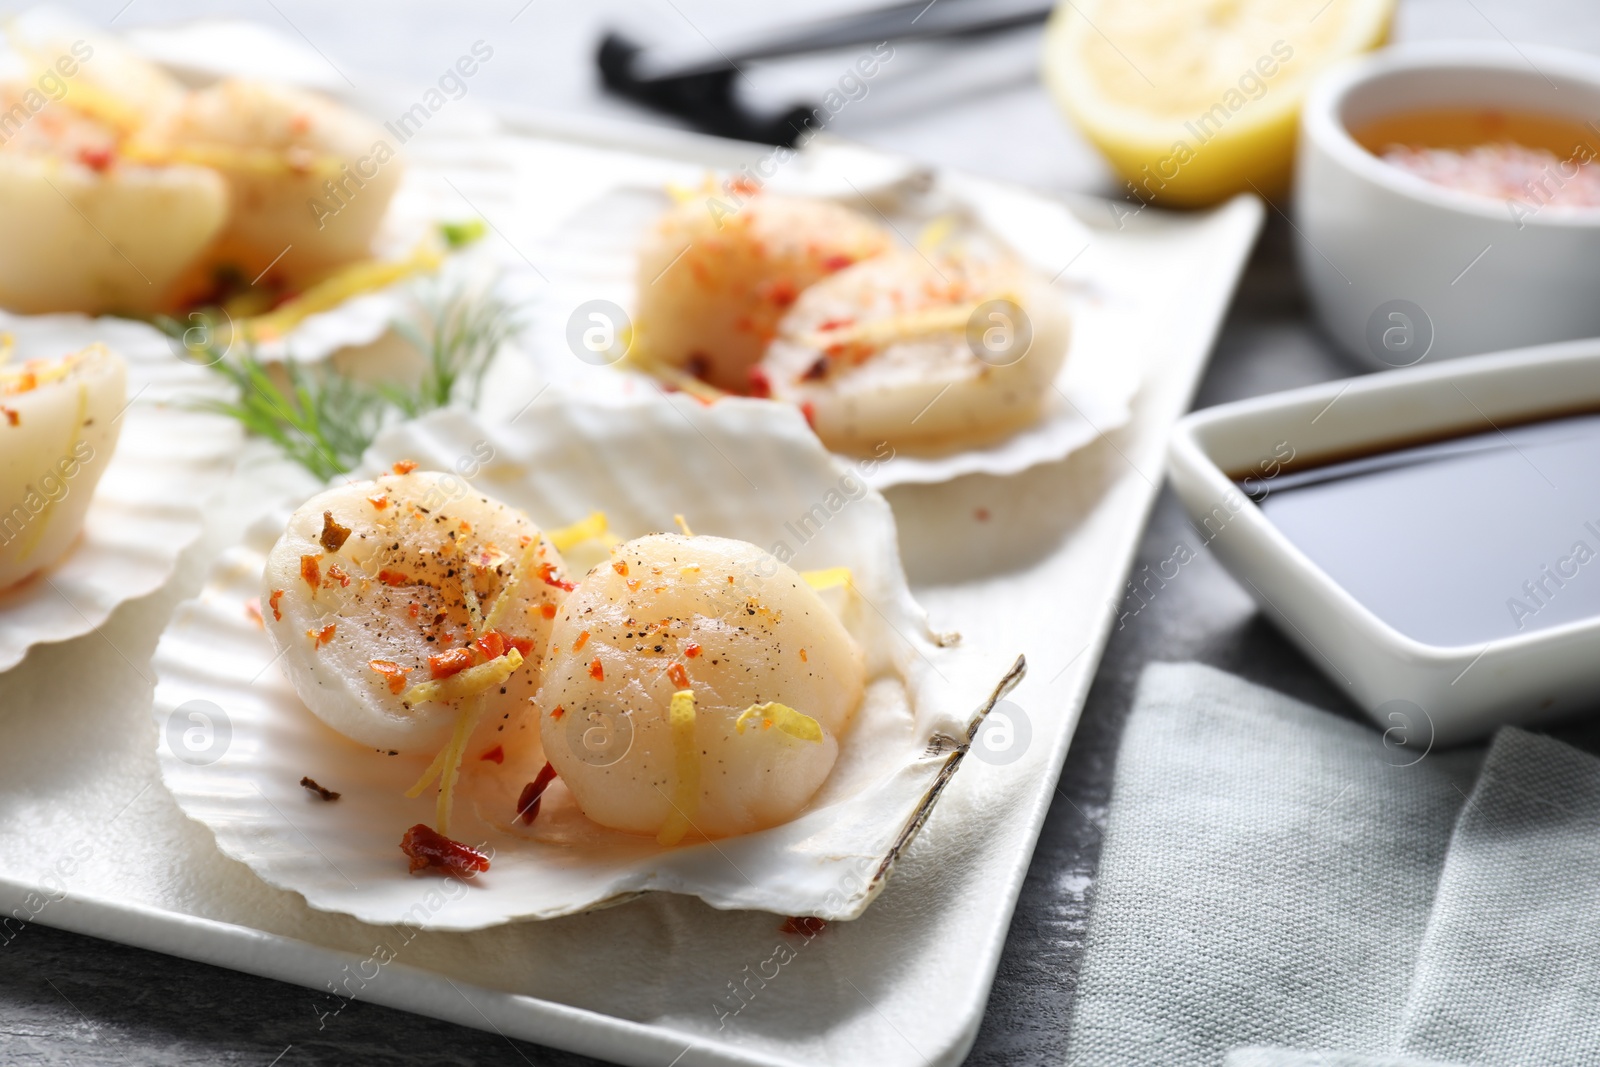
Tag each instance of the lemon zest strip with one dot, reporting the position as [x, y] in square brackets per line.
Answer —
[935, 233]
[593, 528]
[686, 764]
[880, 333]
[674, 376]
[794, 723]
[430, 774]
[470, 682]
[368, 275]
[216, 156]
[828, 578]
[519, 574]
[465, 723]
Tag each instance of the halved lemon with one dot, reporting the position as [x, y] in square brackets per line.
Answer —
[1192, 101]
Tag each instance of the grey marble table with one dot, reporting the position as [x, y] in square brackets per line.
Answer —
[67, 999]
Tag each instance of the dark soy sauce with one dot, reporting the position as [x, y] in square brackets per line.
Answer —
[1459, 542]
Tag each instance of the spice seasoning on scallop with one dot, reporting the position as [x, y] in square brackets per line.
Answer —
[325, 794]
[429, 849]
[533, 794]
[333, 534]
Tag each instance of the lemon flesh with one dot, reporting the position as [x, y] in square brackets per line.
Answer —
[1192, 101]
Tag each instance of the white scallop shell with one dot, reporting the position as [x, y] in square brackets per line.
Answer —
[593, 255]
[146, 510]
[742, 469]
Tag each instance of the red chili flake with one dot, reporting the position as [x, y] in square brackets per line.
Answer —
[558, 712]
[632, 584]
[12, 417]
[327, 633]
[596, 670]
[333, 534]
[24, 383]
[429, 848]
[836, 324]
[336, 574]
[326, 794]
[497, 754]
[388, 577]
[782, 292]
[405, 466]
[836, 262]
[803, 658]
[548, 610]
[272, 602]
[491, 645]
[523, 645]
[378, 500]
[760, 384]
[691, 650]
[252, 608]
[414, 610]
[311, 572]
[582, 639]
[96, 159]
[679, 676]
[620, 566]
[807, 926]
[981, 514]
[533, 794]
[466, 527]
[453, 661]
[810, 412]
[392, 672]
[547, 574]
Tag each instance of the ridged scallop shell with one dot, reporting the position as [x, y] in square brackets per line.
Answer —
[741, 469]
[592, 256]
[146, 510]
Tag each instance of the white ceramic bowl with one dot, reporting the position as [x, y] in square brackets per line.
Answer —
[1422, 694]
[1400, 268]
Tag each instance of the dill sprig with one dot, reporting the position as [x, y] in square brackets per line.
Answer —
[324, 420]
[458, 332]
[320, 419]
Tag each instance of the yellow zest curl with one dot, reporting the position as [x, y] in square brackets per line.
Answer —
[830, 578]
[369, 275]
[593, 528]
[470, 682]
[795, 724]
[686, 762]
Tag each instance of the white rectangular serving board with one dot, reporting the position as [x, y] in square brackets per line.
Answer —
[91, 842]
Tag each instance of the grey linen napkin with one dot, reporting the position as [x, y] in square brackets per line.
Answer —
[1509, 969]
[1265, 879]
[1288, 1057]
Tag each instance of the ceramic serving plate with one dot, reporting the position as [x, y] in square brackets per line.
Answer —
[1429, 694]
[562, 460]
[91, 841]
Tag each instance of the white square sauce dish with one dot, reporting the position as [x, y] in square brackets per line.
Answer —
[1430, 537]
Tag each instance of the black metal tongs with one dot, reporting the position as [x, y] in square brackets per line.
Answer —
[697, 85]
